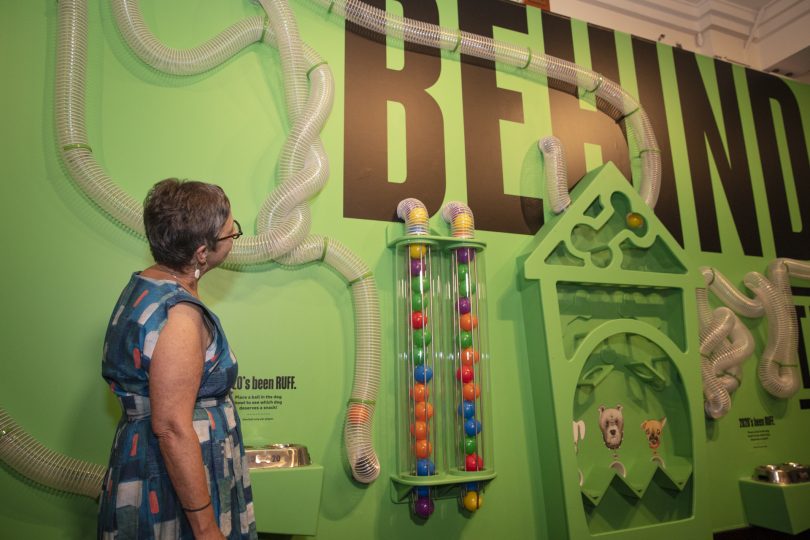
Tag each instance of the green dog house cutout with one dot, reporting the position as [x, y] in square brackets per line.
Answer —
[617, 359]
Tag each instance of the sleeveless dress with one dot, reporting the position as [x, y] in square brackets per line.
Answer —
[138, 499]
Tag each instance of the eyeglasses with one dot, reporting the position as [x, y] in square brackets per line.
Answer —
[235, 235]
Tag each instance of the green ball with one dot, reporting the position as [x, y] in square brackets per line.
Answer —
[418, 301]
[468, 445]
[422, 337]
[420, 284]
[463, 272]
[466, 286]
[418, 356]
[465, 339]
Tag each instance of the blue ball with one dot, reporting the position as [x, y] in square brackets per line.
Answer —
[423, 374]
[472, 427]
[466, 409]
[422, 491]
[425, 467]
[472, 486]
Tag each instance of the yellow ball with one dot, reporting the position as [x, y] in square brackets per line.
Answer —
[472, 501]
[417, 251]
[418, 214]
[634, 220]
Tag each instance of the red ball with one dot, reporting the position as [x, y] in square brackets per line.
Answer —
[474, 462]
[465, 374]
[418, 320]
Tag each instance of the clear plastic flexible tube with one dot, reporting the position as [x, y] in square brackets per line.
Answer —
[284, 219]
[730, 296]
[31, 459]
[721, 361]
[415, 215]
[556, 173]
[460, 218]
[357, 431]
[778, 365]
[610, 97]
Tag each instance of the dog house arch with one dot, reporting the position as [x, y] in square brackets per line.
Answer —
[610, 296]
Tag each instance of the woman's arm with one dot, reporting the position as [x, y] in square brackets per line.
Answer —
[174, 379]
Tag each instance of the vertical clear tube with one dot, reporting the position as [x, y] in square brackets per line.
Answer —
[418, 316]
[470, 392]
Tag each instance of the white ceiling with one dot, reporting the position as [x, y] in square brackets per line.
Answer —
[771, 35]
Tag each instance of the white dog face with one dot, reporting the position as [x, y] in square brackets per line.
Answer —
[611, 423]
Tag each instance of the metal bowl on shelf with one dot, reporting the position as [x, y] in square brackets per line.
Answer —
[277, 456]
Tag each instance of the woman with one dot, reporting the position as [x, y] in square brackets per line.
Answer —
[177, 467]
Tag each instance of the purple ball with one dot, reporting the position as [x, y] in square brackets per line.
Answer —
[423, 507]
[464, 305]
[416, 267]
[465, 255]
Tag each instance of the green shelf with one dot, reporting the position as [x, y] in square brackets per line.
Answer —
[784, 508]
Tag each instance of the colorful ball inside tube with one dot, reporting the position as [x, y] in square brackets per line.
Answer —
[423, 507]
[422, 337]
[474, 462]
[469, 356]
[420, 284]
[465, 374]
[418, 320]
[472, 501]
[417, 267]
[425, 467]
[418, 356]
[472, 427]
[464, 305]
[417, 251]
[420, 392]
[418, 301]
[423, 374]
[469, 445]
[465, 255]
[466, 409]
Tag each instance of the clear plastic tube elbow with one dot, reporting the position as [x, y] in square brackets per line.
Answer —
[460, 218]
[415, 215]
[733, 298]
[556, 173]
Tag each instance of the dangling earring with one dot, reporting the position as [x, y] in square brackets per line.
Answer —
[196, 271]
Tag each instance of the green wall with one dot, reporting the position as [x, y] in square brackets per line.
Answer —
[64, 264]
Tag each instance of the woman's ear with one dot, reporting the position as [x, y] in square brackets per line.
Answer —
[201, 254]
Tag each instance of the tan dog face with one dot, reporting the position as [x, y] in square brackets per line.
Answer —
[654, 429]
[611, 422]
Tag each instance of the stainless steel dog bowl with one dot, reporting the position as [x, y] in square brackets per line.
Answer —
[277, 456]
[785, 473]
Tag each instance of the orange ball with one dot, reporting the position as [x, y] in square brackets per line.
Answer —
[423, 410]
[419, 430]
[420, 392]
[468, 322]
[422, 449]
[357, 414]
[471, 391]
[469, 356]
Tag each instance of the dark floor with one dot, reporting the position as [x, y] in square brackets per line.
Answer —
[757, 533]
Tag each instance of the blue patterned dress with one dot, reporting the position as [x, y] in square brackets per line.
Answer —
[138, 499]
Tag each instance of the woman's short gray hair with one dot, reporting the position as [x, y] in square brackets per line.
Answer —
[180, 216]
